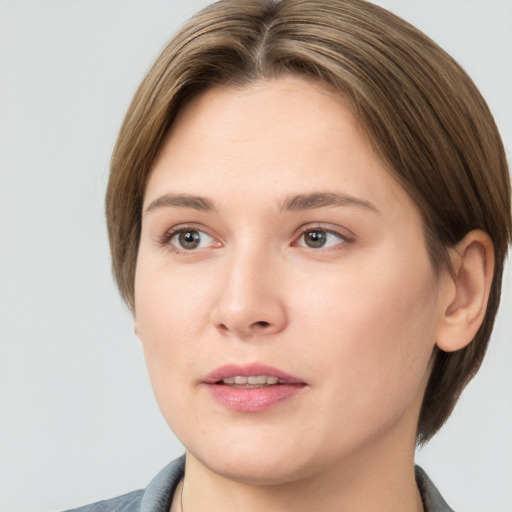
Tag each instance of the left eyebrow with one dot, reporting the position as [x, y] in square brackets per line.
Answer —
[323, 199]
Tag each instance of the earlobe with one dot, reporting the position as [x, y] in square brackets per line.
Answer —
[465, 307]
[136, 330]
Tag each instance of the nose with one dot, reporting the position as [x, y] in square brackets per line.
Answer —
[250, 302]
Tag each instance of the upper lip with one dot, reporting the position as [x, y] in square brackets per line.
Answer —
[249, 370]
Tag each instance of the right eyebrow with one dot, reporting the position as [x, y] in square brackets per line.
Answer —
[181, 201]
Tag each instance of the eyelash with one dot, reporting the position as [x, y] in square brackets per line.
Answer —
[165, 239]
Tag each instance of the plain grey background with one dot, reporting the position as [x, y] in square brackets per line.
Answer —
[78, 421]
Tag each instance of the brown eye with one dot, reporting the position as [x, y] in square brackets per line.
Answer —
[315, 238]
[320, 239]
[190, 239]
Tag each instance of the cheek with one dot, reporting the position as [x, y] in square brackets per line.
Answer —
[375, 332]
[170, 320]
[171, 315]
[168, 301]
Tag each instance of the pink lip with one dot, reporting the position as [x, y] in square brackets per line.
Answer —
[251, 399]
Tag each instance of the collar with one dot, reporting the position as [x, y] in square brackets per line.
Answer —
[159, 493]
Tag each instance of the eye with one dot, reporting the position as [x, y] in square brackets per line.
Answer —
[190, 239]
[319, 239]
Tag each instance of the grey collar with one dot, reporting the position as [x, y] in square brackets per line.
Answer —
[159, 493]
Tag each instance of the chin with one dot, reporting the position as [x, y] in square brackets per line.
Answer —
[263, 470]
[259, 463]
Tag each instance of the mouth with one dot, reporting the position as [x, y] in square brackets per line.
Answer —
[251, 388]
[252, 382]
[250, 375]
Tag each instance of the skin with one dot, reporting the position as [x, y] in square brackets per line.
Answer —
[356, 321]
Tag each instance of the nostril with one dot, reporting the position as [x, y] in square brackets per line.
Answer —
[261, 324]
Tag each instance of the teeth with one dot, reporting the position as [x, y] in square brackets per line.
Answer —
[252, 381]
[257, 380]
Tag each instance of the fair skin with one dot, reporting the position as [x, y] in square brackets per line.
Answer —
[273, 235]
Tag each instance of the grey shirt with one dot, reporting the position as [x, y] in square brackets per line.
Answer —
[157, 496]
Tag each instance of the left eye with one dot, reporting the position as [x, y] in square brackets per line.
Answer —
[190, 239]
[319, 239]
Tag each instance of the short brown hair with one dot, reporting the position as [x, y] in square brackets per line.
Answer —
[421, 111]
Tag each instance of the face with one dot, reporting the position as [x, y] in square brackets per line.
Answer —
[284, 296]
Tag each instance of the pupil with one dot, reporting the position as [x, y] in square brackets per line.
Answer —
[315, 239]
[189, 239]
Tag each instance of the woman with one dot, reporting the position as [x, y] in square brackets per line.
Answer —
[308, 211]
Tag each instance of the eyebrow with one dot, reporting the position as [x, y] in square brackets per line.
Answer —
[324, 199]
[181, 201]
[293, 203]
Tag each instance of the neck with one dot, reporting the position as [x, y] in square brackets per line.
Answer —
[363, 482]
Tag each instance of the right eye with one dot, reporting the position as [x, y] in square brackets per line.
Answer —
[191, 239]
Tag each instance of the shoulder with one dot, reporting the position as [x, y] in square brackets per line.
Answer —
[432, 499]
[156, 497]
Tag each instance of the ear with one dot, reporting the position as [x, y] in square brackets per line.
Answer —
[136, 329]
[466, 298]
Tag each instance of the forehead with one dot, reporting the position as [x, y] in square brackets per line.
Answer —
[280, 137]
[275, 110]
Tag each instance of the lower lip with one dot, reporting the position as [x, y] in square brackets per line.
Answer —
[252, 399]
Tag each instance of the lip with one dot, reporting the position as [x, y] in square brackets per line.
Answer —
[251, 399]
[249, 370]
